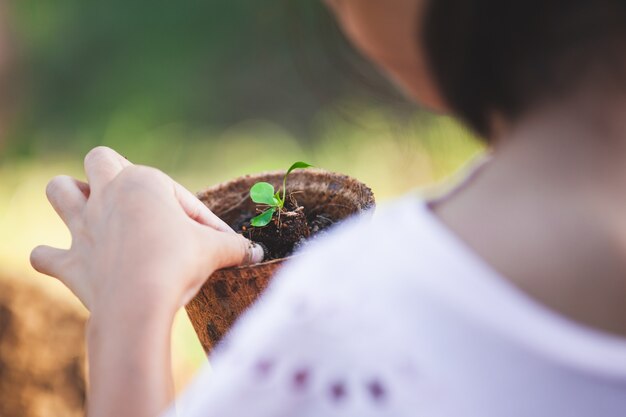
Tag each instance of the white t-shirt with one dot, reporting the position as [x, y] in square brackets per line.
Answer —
[395, 316]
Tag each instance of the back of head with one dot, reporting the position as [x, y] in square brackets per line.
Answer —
[494, 56]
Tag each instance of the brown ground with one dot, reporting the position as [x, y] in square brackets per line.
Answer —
[42, 353]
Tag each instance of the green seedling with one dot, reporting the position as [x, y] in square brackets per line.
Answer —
[272, 201]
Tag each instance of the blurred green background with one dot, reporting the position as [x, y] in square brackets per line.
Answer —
[204, 90]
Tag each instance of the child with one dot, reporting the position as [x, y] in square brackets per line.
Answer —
[504, 298]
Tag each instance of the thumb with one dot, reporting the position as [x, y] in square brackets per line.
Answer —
[230, 249]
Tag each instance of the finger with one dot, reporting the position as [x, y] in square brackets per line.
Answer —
[83, 187]
[196, 210]
[49, 261]
[67, 197]
[102, 165]
[232, 249]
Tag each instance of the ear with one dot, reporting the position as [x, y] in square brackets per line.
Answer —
[387, 32]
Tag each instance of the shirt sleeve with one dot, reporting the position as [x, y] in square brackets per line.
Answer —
[316, 344]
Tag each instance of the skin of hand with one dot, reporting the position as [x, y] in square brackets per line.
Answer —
[135, 233]
[142, 246]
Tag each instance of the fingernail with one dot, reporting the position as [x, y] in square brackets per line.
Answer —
[257, 253]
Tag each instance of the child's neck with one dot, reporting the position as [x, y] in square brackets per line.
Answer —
[549, 211]
[578, 148]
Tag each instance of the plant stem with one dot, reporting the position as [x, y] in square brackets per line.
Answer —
[282, 203]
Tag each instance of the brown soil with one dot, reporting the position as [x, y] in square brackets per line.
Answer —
[284, 234]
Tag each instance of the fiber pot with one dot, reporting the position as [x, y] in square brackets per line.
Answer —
[228, 292]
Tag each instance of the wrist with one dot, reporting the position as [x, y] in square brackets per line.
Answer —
[136, 298]
[129, 359]
[130, 314]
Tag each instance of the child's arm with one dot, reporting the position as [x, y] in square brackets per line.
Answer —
[141, 248]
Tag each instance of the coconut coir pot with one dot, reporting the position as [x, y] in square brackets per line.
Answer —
[228, 292]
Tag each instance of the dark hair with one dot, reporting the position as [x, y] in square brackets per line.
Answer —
[506, 55]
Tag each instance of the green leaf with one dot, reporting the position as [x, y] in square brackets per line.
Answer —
[263, 193]
[264, 218]
[298, 165]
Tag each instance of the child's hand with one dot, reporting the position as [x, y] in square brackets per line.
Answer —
[138, 238]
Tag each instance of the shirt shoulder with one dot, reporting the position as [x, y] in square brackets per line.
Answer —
[392, 314]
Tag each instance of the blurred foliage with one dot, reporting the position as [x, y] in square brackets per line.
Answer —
[85, 65]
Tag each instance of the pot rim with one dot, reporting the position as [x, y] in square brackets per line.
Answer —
[252, 266]
[309, 171]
